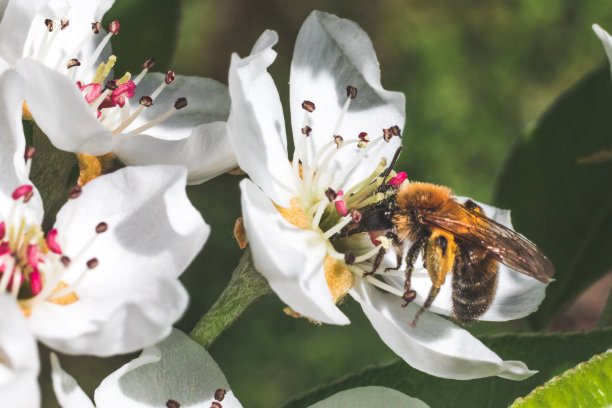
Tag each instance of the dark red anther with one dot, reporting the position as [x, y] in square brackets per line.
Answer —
[308, 106]
[29, 152]
[387, 134]
[306, 130]
[96, 27]
[64, 23]
[170, 77]
[395, 130]
[172, 404]
[339, 140]
[331, 194]
[146, 101]
[50, 24]
[113, 27]
[75, 192]
[351, 92]
[111, 84]
[180, 103]
[148, 64]
[349, 258]
[73, 63]
[65, 261]
[123, 91]
[363, 136]
[2, 230]
[92, 263]
[101, 227]
[356, 215]
[220, 394]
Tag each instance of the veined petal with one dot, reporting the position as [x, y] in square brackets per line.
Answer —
[132, 297]
[367, 397]
[256, 125]
[166, 371]
[435, 346]
[12, 163]
[67, 391]
[606, 40]
[18, 358]
[517, 295]
[289, 257]
[330, 54]
[207, 153]
[61, 111]
[211, 103]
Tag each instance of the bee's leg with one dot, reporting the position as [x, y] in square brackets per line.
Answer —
[379, 257]
[433, 292]
[399, 251]
[411, 257]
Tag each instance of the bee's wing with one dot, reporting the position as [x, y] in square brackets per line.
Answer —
[507, 246]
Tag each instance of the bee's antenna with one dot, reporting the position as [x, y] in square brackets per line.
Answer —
[390, 167]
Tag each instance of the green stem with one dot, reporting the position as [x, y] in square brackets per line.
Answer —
[245, 286]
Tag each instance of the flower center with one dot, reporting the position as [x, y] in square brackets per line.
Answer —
[107, 98]
[326, 203]
[32, 263]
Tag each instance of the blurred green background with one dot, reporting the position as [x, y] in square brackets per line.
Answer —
[475, 75]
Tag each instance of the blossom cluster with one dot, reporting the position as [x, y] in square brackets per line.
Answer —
[103, 278]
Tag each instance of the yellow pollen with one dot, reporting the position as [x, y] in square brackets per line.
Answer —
[103, 70]
[338, 277]
[66, 299]
[91, 167]
[26, 115]
[126, 77]
[294, 214]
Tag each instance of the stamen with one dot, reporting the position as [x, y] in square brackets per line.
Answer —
[354, 162]
[308, 106]
[172, 404]
[146, 67]
[336, 228]
[52, 242]
[75, 192]
[17, 277]
[64, 23]
[21, 191]
[351, 93]
[179, 104]
[145, 102]
[114, 29]
[349, 258]
[384, 242]
[382, 285]
[9, 266]
[220, 394]
[73, 63]
[101, 227]
[50, 24]
[398, 179]
[92, 263]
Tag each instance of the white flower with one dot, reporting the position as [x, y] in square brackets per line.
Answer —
[180, 373]
[287, 210]
[606, 40]
[60, 49]
[18, 358]
[104, 280]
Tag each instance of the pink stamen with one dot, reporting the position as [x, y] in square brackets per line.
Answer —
[32, 254]
[2, 230]
[340, 204]
[52, 242]
[93, 93]
[4, 249]
[21, 191]
[35, 282]
[125, 90]
[398, 179]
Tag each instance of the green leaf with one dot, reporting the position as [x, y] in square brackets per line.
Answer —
[551, 354]
[587, 385]
[149, 29]
[561, 200]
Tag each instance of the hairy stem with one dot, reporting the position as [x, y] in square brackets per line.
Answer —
[245, 286]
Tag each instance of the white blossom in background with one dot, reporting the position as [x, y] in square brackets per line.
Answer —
[178, 372]
[64, 56]
[345, 129]
[104, 279]
[18, 358]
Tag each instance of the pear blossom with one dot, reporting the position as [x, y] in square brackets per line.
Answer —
[104, 279]
[18, 358]
[178, 372]
[64, 55]
[346, 129]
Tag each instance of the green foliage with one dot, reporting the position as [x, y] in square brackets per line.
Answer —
[587, 385]
[551, 354]
[559, 201]
[149, 29]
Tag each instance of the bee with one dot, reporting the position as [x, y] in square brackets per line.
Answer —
[453, 238]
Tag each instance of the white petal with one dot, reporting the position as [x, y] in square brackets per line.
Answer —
[207, 153]
[132, 297]
[435, 346]
[606, 40]
[18, 358]
[61, 111]
[12, 163]
[517, 295]
[290, 258]
[177, 369]
[67, 391]
[367, 397]
[330, 54]
[256, 124]
[208, 101]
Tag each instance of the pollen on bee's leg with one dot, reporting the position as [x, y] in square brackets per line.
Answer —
[338, 277]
